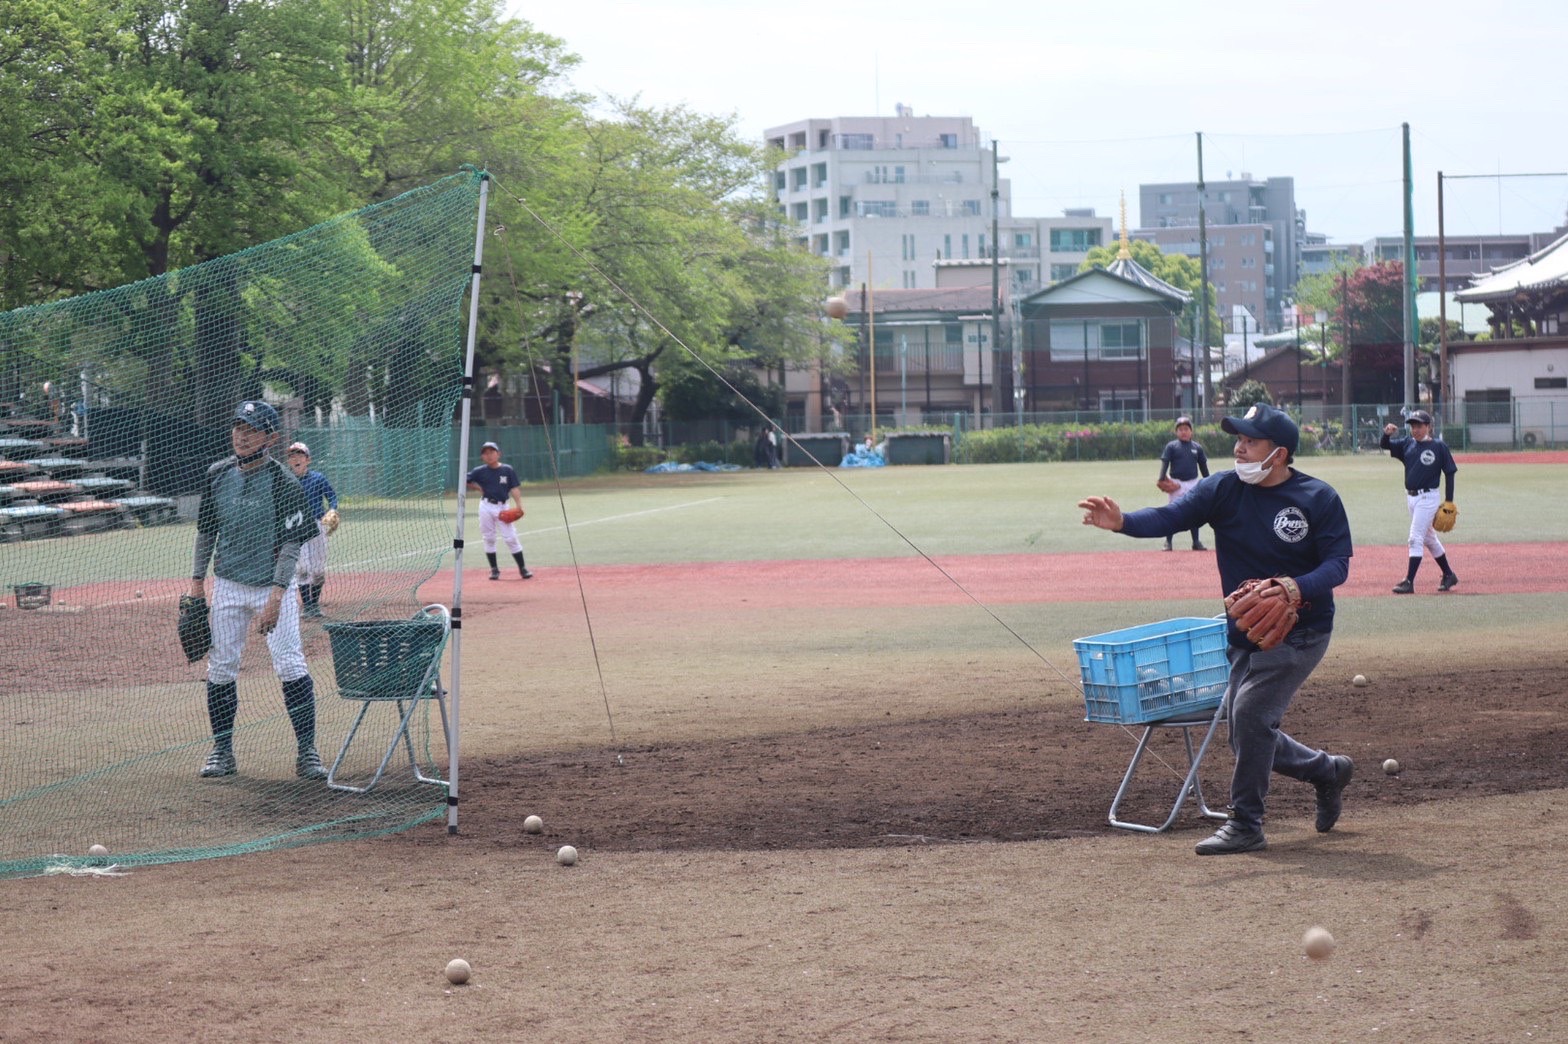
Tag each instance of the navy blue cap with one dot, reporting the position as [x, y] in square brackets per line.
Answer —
[258, 415]
[1418, 417]
[1262, 421]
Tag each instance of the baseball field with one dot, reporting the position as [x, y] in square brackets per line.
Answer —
[819, 742]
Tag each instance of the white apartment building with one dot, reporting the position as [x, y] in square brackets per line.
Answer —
[885, 197]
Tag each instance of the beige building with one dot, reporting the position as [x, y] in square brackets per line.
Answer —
[885, 197]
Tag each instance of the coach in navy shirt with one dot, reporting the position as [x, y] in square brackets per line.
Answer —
[1269, 520]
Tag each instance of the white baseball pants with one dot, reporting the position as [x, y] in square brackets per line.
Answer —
[1422, 508]
[312, 567]
[490, 525]
[234, 607]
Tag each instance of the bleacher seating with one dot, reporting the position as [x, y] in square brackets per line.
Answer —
[51, 487]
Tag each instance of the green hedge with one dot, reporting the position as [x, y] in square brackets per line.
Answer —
[1056, 442]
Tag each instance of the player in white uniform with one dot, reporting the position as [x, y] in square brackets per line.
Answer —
[249, 527]
[497, 483]
[1427, 462]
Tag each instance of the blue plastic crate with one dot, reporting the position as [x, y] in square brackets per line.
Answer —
[1154, 671]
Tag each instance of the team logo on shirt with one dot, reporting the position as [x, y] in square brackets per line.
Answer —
[1290, 525]
[1428, 457]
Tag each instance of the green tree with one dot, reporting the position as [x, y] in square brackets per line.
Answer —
[1248, 393]
[657, 243]
[1365, 306]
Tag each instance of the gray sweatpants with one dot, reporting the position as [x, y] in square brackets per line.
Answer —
[1262, 684]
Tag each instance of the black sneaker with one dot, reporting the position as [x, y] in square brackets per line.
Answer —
[1405, 587]
[1331, 795]
[495, 574]
[219, 763]
[1232, 838]
[1449, 581]
[1199, 546]
[308, 765]
[528, 574]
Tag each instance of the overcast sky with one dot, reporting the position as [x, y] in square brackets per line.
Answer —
[1090, 100]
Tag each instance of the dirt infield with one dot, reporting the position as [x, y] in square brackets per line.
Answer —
[810, 830]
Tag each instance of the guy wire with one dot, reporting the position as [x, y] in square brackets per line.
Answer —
[762, 414]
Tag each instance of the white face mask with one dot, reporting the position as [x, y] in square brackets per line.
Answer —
[1252, 472]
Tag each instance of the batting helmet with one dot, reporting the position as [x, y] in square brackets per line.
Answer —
[258, 415]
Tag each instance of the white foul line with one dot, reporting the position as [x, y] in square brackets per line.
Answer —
[531, 532]
[629, 514]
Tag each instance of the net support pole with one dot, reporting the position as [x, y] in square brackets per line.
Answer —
[454, 735]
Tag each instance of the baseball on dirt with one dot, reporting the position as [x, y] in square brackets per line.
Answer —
[1391, 767]
[533, 825]
[566, 855]
[97, 850]
[458, 971]
[1317, 942]
[138, 594]
[1359, 680]
[836, 307]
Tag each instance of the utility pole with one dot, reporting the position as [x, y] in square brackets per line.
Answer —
[1203, 289]
[996, 269]
[1439, 379]
[1412, 324]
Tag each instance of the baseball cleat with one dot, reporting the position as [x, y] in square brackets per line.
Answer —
[219, 763]
[527, 574]
[1232, 838]
[1449, 581]
[495, 574]
[1405, 587]
[308, 765]
[1331, 795]
[1199, 546]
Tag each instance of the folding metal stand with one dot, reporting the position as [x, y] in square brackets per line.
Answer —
[1191, 786]
[396, 661]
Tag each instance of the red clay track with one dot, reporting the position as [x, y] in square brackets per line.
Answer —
[1138, 570]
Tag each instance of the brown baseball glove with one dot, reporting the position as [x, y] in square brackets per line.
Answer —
[1265, 610]
[330, 521]
[1168, 485]
[1447, 515]
[511, 514]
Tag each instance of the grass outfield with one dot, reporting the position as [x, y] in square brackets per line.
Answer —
[800, 514]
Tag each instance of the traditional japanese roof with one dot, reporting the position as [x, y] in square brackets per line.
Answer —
[1130, 270]
[1546, 269]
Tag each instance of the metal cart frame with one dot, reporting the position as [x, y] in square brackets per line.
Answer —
[396, 661]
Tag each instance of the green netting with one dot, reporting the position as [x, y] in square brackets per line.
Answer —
[113, 406]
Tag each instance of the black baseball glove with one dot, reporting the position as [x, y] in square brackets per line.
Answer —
[195, 631]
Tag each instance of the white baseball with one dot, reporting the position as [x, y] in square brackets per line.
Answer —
[97, 850]
[138, 594]
[1391, 767]
[1317, 942]
[1359, 680]
[566, 855]
[457, 971]
[533, 825]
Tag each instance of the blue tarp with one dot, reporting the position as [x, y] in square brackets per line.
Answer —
[670, 466]
[862, 457]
